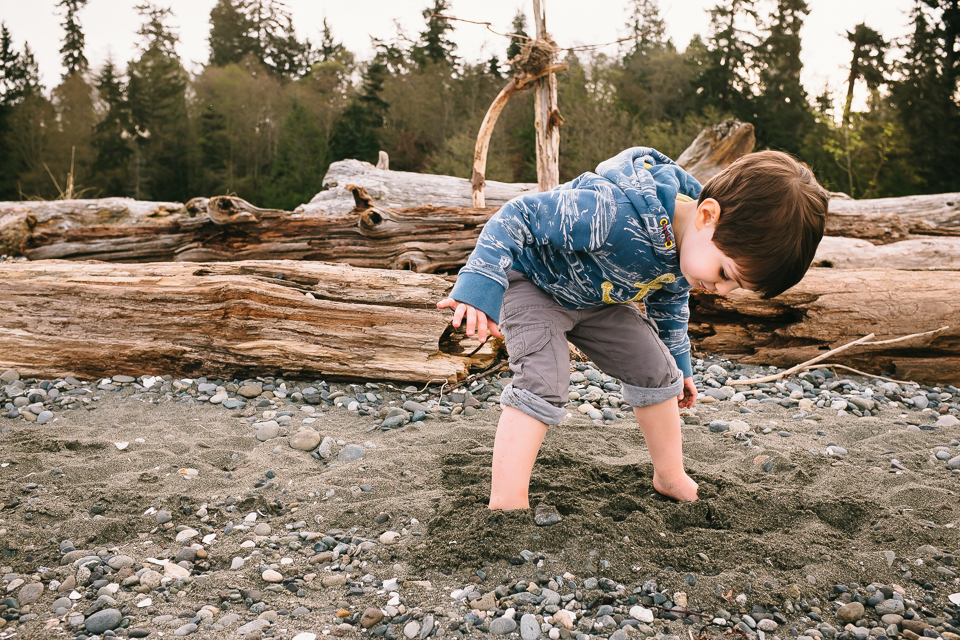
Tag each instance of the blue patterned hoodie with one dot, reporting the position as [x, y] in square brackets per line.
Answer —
[603, 238]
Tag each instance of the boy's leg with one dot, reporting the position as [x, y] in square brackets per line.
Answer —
[660, 424]
[625, 344]
[534, 328]
[515, 450]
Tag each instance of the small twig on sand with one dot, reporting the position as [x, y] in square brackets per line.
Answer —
[477, 376]
[808, 364]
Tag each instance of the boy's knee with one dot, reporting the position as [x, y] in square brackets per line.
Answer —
[532, 405]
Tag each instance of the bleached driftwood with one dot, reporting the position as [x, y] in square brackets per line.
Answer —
[402, 189]
[228, 319]
[716, 148]
[422, 239]
[884, 220]
[938, 253]
[831, 307]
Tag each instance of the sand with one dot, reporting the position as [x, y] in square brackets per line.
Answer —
[807, 522]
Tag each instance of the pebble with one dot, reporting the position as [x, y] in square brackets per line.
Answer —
[502, 626]
[850, 612]
[104, 620]
[305, 440]
[272, 576]
[267, 430]
[350, 452]
[529, 627]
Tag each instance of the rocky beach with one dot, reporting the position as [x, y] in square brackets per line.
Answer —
[297, 509]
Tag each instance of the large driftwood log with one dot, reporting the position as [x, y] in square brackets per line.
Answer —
[932, 254]
[423, 239]
[831, 307]
[885, 220]
[227, 319]
[401, 189]
[716, 148]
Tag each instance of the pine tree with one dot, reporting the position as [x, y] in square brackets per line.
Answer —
[302, 158]
[74, 60]
[230, 29]
[518, 28]
[781, 111]
[111, 136]
[25, 120]
[275, 41]
[925, 96]
[158, 113]
[433, 46]
[648, 29]
[358, 129]
[723, 80]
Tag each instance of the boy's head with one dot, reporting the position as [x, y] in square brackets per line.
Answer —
[772, 217]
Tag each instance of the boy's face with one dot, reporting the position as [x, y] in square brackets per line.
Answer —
[701, 261]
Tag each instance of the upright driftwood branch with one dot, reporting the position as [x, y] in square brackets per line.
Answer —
[518, 83]
[547, 117]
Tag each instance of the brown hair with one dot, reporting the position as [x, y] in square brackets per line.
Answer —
[772, 216]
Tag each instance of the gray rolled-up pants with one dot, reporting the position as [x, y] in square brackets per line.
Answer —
[618, 338]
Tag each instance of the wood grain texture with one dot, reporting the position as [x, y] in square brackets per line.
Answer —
[227, 320]
[831, 307]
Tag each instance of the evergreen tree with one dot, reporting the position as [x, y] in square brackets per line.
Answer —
[158, 113]
[925, 96]
[433, 46]
[780, 109]
[648, 29]
[25, 119]
[111, 136]
[302, 158]
[230, 32]
[868, 63]
[723, 81]
[74, 60]
[358, 129]
[274, 39]
[518, 28]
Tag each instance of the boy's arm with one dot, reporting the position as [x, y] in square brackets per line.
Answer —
[569, 219]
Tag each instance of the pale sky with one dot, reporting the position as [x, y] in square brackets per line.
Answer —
[110, 27]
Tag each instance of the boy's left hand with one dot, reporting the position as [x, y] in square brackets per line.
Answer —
[689, 396]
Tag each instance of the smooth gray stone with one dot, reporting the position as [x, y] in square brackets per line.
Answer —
[350, 452]
[44, 417]
[890, 606]
[500, 626]
[529, 627]
[108, 619]
[953, 463]
[123, 379]
[186, 629]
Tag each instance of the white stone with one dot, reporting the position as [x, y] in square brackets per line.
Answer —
[640, 613]
[236, 563]
[389, 537]
[175, 570]
[121, 445]
[186, 534]
[954, 598]
[948, 421]
[272, 576]
[210, 537]
[146, 602]
[306, 635]
[218, 398]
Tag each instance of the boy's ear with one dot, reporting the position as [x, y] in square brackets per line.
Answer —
[708, 213]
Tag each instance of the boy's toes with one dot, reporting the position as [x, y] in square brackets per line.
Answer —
[682, 488]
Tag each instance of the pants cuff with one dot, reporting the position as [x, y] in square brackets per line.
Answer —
[532, 405]
[644, 397]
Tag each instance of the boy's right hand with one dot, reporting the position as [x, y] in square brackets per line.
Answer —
[476, 319]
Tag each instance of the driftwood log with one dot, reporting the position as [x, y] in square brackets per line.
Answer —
[401, 189]
[716, 148]
[228, 319]
[929, 253]
[885, 220]
[831, 307]
[422, 239]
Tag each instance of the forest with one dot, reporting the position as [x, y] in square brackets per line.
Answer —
[269, 112]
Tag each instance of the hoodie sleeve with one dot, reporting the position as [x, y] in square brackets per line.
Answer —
[670, 311]
[568, 218]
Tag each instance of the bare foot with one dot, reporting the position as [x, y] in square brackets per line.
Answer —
[681, 487]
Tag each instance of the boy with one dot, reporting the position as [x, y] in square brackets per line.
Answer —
[566, 264]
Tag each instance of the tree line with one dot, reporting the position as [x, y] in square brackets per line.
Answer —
[269, 112]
